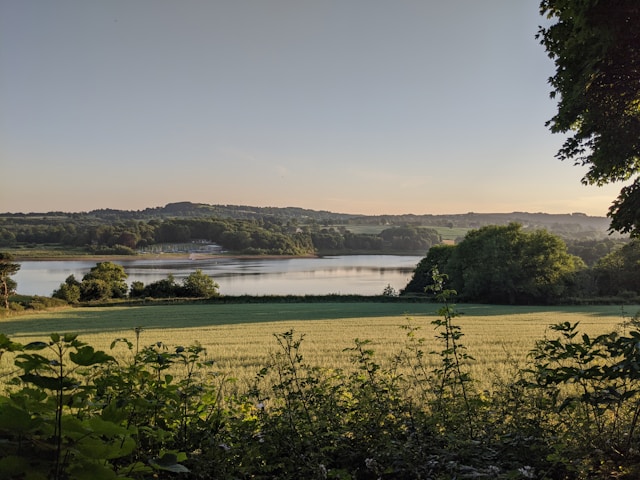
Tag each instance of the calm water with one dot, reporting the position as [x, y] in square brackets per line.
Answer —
[349, 274]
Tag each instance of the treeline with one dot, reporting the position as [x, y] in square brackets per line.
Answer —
[265, 235]
[88, 228]
[508, 265]
[107, 281]
[197, 210]
[569, 225]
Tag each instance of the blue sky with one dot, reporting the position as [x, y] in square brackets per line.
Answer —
[355, 106]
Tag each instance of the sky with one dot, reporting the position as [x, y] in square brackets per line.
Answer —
[352, 106]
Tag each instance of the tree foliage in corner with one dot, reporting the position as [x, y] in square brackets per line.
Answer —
[596, 49]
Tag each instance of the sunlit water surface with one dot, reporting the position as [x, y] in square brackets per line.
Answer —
[348, 274]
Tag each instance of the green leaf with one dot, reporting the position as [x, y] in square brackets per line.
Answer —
[70, 337]
[74, 428]
[175, 468]
[87, 356]
[7, 345]
[50, 383]
[98, 449]
[113, 414]
[121, 340]
[91, 471]
[13, 466]
[29, 362]
[169, 463]
[137, 467]
[106, 427]
[36, 346]
[13, 419]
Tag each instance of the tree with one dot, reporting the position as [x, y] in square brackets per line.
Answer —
[7, 284]
[95, 289]
[410, 238]
[199, 285]
[7, 237]
[437, 258]
[165, 288]
[503, 264]
[596, 49]
[69, 291]
[137, 289]
[619, 272]
[105, 280]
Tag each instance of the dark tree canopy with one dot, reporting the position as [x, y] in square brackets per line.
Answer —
[618, 273]
[437, 258]
[595, 45]
[502, 264]
[105, 280]
[199, 285]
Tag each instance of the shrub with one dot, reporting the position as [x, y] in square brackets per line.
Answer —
[74, 412]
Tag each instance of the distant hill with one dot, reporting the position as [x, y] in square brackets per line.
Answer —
[568, 225]
[195, 210]
[569, 222]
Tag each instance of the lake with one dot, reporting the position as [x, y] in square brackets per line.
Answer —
[344, 274]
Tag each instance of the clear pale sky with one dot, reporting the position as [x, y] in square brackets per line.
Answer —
[354, 106]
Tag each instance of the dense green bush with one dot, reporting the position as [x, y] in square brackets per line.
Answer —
[505, 265]
[71, 412]
[195, 285]
[33, 302]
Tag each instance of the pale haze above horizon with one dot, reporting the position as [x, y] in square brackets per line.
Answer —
[360, 106]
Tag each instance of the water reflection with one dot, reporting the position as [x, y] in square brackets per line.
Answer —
[349, 274]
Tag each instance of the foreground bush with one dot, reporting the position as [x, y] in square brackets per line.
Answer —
[70, 411]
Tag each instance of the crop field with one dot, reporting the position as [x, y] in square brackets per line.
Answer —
[240, 337]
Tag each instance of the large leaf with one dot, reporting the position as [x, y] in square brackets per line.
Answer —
[74, 428]
[99, 449]
[175, 468]
[92, 471]
[137, 467]
[50, 383]
[71, 338]
[11, 466]
[86, 356]
[7, 345]
[113, 413]
[13, 419]
[32, 361]
[107, 427]
[36, 346]
[168, 462]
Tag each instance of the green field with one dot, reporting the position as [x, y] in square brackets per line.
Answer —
[240, 337]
